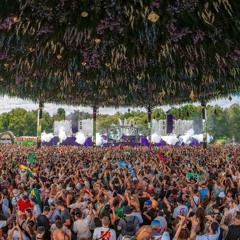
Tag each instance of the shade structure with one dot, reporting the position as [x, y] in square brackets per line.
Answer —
[119, 53]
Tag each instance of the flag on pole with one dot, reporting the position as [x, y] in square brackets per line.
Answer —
[31, 157]
[36, 194]
[60, 150]
[26, 168]
[120, 147]
[106, 156]
[150, 146]
[162, 158]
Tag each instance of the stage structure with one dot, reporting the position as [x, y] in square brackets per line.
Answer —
[85, 126]
[63, 125]
[180, 126]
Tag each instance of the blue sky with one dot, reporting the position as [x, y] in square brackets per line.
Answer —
[6, 104]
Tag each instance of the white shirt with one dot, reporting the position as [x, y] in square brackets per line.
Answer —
[81, 205]
[180, 210]
[165, 236]
[16, 236]
[3, 223]
[36, 211]
[195, 200]
[209, 237]
[104, 232]
[81, 227]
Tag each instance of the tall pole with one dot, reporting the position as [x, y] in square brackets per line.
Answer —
[149, 109]
[39, 126]
[94, 123]
[204, 123]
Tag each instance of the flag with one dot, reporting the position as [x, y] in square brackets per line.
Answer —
[162, 158]
[196, 176]
[26, 168]
[60, 150]
[123, 164]
[127, 153]
[36, 194]
[150, 146]
[31, 157]
[106, 156]
[120, 147]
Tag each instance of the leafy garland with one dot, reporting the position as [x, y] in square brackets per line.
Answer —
[114, 52]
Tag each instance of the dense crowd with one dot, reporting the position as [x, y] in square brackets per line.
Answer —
[141, 193]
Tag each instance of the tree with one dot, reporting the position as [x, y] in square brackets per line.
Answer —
[30, 124]
[16, 121]
[4, 122]
[158, 114]
[234, 119]
[218, 122]
[61, 111]
[106, 121]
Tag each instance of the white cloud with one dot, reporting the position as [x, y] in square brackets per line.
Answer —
[7, 104]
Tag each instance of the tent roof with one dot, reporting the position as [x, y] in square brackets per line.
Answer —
[119, 53]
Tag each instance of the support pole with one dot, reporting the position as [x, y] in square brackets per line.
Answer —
[39, 126]
[149, 123]
[94, 123]
[204, 123]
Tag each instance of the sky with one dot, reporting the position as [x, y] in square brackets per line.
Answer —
[7, 104]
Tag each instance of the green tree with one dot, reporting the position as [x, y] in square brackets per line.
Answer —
[106, 121]
[234, 120]
[16, 123]
[218, 122]
[30, 124]
[4, 122]
[158, 114]
[61, 111]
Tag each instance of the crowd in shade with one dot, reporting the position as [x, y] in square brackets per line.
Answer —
[141, 193]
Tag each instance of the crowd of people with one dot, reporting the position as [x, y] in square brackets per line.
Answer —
[141, 193]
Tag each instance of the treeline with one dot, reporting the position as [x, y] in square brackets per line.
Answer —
[221, 123]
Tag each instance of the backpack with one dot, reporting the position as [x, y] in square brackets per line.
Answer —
[129, 225]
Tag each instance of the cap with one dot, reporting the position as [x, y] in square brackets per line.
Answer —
[155, 223]
[148, 203]
[162, 221]
[135, 179]
[221, 195]
[68, 188]
[128, 210]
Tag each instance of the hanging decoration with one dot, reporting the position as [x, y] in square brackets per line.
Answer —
[120, 54]
[153, 17]
[84, 14]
